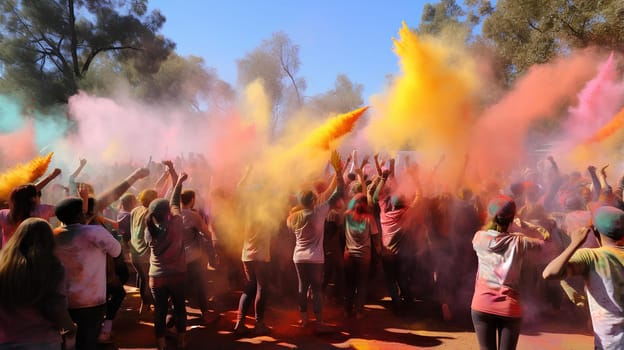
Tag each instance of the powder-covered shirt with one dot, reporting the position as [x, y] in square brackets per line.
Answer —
[82, 249]
[192, 231]
[358, 236]
[603, 270]
[308, 225]
[138, 246]
[497, 284]
[167, 250]
[43, 211]
[392, 230]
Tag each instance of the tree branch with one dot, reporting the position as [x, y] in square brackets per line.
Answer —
[94, 53]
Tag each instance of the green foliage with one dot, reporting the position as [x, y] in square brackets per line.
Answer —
[276, 63]
[529, 32]
[344, 97]
[48, 46]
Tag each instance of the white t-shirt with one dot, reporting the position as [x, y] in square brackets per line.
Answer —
[82, 249]
[308, 226]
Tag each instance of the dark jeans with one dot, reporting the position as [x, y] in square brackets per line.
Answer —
[164, 288]
[197, 283]
[397, 274]
[310, 275]
[142, 269]
[89, 321]
[356, 273]
[487, 326]
[334, 269]
[256, 274]
[116, 294]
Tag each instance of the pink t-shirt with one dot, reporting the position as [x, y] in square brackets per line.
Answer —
[498, 276]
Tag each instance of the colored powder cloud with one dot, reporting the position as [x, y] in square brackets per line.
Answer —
[430, 106]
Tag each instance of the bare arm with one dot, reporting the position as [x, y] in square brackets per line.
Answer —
[175, 196]
[559, 267]
[112, 194]
[377, 165]
[595, 182]
[46, 180]
[337, 183]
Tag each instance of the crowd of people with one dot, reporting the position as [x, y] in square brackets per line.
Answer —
[493, 253]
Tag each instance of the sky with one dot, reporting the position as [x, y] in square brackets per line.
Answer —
[334, 36]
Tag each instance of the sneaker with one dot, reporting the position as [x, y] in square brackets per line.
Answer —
[261, 329]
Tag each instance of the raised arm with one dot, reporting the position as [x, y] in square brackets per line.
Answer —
[595, 182]
[377, 165]
[336, 187]
[174, 201]
[559, 268]
[72, 178]
[603, 177]
[113, 194]
[173, 175]
[46, 180]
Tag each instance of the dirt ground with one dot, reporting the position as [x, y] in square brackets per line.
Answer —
[420, 328]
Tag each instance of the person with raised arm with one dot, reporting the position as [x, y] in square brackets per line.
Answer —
[603, 271]
[307, 222]
[397, 246]
[496, 304]
[256, 256]
[167, 271]
[25, 202]
[361, 238]
[139, 249]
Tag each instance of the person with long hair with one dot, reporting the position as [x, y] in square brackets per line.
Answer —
[496, 305]
[25, 202]
[307, 223]
[33, 308]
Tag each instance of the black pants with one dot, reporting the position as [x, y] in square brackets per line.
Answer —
[89, 321]
[397, 273]
[487, 326]
[162, 289]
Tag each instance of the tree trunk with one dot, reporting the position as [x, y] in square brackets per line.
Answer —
[74, 40]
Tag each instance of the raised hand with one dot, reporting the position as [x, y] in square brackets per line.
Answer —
[335, 161]
[141, 173]
[183, 178]
[83, 162]
[168, 163]
[603, 170]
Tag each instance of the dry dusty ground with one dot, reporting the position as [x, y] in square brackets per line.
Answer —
[380, 329]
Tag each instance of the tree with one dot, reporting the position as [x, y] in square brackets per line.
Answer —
[276, 62]
[48, 46]
[527, 32]
[184, 81]
[442, 15]
[344, 97]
